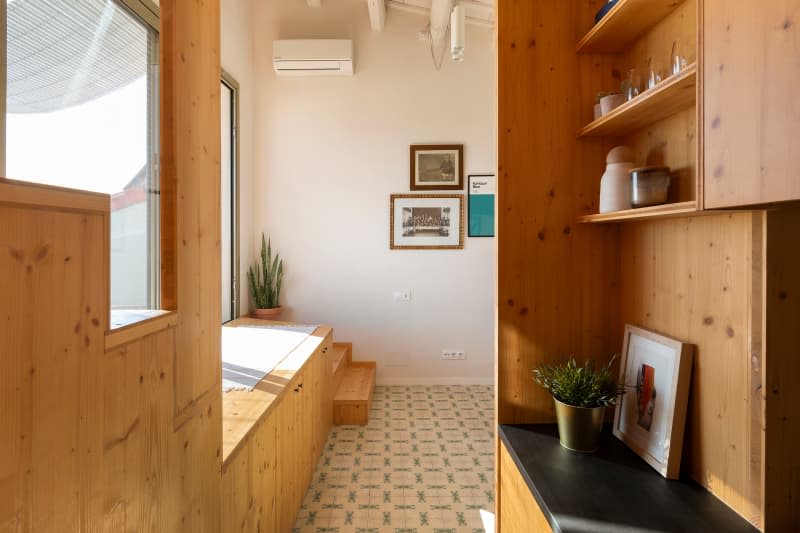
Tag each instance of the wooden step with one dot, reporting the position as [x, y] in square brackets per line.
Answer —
[341, 355]
[352, 398]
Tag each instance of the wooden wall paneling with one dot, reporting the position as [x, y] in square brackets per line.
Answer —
[139, 471]
[671, 142]
[190, 146]
[518, 511]
[51, 260]
[782, 373]
[190, 136]
[751, 77]
[691, 278]
[680, 25]
[555, 280]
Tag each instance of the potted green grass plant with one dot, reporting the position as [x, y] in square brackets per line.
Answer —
[265, 279]
[581, 395]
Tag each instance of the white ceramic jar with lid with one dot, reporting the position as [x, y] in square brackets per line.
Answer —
[615, 185]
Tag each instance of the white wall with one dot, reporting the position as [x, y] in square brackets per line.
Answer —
[330, 151]
[236, 29]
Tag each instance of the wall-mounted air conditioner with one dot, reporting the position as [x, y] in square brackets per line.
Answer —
[313, 57]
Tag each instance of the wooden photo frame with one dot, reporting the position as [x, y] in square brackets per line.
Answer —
[426, 222]
[650, 418]
[437, 167]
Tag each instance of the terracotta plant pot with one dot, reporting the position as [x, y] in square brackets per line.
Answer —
[273, 313]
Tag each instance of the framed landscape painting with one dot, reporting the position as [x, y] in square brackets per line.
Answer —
[651, 416]
[437, 167]
[426, 222]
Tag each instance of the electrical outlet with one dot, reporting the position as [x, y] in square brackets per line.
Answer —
[454, 355]
[402, 296]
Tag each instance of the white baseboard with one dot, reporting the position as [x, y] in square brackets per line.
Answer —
[433, 381]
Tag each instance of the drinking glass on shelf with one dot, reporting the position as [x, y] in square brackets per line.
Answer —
[633, 84]
[653, 74]
[678, 61]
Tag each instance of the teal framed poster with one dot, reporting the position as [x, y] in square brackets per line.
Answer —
[481, 189]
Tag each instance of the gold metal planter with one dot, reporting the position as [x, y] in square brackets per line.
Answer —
[579, 427]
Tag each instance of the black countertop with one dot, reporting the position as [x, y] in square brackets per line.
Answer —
[612, 490]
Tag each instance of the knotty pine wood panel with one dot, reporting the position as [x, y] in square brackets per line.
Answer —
[692, 278]
[782, 373]
[139, 447]
[518, 511]
[288, 460]
[248, 484]
[53, 286]
[752, 116]
[556, 281]
[190, 137]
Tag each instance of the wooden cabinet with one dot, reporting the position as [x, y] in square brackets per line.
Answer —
[518, 511]
[291, 458]
[752, 116]
[265, 480]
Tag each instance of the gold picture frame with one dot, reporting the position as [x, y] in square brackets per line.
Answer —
[426, 222]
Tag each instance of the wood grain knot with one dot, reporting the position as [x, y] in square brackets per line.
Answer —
[16, 255]
[523, 311]
[716, 122]
[787, 24]
[41, 253]
[567, 230]
[729, 331]
[708, 320]
[783, 295]
[540, 235]
[510, 302]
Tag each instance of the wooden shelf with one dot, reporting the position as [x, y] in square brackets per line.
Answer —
[656, 211]
[627, 21]
[672, 95]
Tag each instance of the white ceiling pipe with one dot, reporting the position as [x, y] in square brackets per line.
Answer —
[377, 14]
[440, 20]
[457, 33]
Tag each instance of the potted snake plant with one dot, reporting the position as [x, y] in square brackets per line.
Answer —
[581, 395]
[265, 279]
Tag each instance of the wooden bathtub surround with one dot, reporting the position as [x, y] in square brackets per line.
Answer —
[244, 410]
[273, 437]
[719, 281]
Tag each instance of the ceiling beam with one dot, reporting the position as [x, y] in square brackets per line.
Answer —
[478, 13]
[377, 14]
